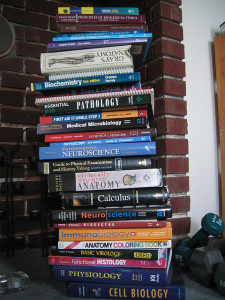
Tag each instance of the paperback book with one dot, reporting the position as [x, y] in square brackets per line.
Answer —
[99, 10]
[72, 28]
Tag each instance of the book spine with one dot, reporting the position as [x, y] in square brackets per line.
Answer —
[100, 37]
[94, 164]
[151, 254]
[105, 180]
[86, 44]
[99, 10]
[121, 291]
[115, 245]
[95, 262]
[134, 139]
[127, 197]
[97, 151]
[114, 224]
[73, 83]
[85, 59]
[78, 18]
[103, 32]
[95, 135]
[111, 214]
[127, 234]
[94, 116]
[100, 27]
[79, 126]
[65, 106]
[110, 275]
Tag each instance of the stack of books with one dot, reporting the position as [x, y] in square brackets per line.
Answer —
[114, 207]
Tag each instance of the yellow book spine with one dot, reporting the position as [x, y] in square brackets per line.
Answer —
[140, 234]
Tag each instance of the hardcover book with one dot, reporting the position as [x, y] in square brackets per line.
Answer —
[99, 10]
[95, 135]
[171, 289]
[99, 18]
[126, 197]
[161, 212]
[127, 234]
[94, 164]
[87, 81]
[86, 59]
[115, 245]
[114, 224]
[105, 180]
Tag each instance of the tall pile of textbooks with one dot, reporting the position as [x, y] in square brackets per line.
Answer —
[100, 127]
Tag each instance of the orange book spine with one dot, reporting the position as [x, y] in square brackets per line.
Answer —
[128, 234]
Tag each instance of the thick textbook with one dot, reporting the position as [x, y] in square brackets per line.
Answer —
[99, 18]
[95, 135]
[109, 150]
[94, 33]
[93, 116]
[150, 254]
[104, 180]
[93, 125]
[171, 289]
[99, 10]
[114, 224]
[112, 262]
[72, 28]
[85, 81]
[115, 245]
[86, 59]
[115, 276]
[161, 212]
[126, 197]
[94, 164]
[116, 234]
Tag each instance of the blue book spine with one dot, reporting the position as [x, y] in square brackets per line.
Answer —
[87, 81]
[78, 117]
[110, 275]
[133, 139]
[100, 10]
[100, 33]
[101, 36]
[110, 291]
[111, 150]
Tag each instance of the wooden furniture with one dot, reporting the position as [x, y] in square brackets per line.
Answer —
[219, 43]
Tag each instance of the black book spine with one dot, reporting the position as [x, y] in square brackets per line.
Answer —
[112, 214]
[123, 123]
[151, 254]
[110, 198]
[94, 164]
[95, 104]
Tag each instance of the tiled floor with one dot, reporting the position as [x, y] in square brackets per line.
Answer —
[43, 287]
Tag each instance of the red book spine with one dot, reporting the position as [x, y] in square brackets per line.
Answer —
[115, 224]
[100, 27]
[77, 136]
[97, 18]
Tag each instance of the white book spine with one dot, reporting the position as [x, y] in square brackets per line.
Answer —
[86, 60]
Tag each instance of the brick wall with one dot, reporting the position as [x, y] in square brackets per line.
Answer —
[34, 25]
[165, 71]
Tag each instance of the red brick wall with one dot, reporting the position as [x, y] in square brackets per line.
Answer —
[34, 26]
[165, 71]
